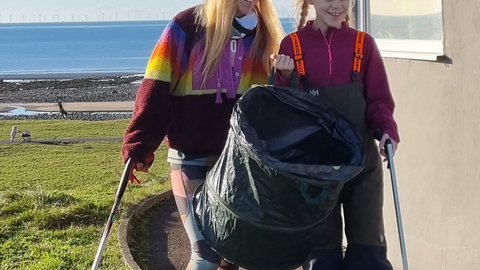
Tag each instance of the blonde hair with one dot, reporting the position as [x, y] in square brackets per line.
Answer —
[216, 17]
[302, 7]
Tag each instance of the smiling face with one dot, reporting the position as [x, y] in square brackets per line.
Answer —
[330, 13]
[245, 7]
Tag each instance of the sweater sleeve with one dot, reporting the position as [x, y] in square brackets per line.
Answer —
[151, 113]
[286, 48]
[380, 103]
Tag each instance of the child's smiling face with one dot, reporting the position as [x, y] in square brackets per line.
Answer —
[330, 13]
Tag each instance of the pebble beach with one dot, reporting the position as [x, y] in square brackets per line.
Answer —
[78, 90]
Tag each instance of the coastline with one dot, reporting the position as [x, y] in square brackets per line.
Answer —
[69, 75]
[84, 98]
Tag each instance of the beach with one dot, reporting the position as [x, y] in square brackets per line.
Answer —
[99, 98]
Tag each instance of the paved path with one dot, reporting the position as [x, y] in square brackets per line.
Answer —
[114, 106]
[168, 241]
[18, 140]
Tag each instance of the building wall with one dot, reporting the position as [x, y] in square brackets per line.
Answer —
[437, 163]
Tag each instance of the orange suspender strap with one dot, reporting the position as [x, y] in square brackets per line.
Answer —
[357, 60]
[297, 50]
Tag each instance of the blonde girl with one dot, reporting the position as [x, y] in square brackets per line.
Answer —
[206, 58]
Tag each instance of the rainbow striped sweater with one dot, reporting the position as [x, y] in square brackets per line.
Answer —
[172, 101]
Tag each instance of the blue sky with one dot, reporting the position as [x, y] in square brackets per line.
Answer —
[95, 10]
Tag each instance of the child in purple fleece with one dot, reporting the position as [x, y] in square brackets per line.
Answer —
[363, 95]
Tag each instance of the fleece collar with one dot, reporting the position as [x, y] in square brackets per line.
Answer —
[343, 28]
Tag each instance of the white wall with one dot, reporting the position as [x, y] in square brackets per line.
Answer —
[437, 163]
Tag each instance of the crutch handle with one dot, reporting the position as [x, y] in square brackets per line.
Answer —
[377, 134]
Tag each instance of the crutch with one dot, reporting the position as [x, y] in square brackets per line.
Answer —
[121, 189]
[391, 166]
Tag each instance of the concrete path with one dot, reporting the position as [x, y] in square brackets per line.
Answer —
[169, 247]
[67, 140]
[114, 106]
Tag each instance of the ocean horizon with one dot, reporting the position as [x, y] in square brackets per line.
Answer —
[67, 50]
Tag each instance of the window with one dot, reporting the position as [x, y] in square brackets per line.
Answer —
[404, 28]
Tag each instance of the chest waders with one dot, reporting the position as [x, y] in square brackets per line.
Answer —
[362, 197]
[347, 99]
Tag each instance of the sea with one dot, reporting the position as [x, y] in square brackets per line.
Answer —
[65, 50]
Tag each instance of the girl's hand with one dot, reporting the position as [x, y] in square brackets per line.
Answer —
[142, 167]
[382, 146]
[284, 64]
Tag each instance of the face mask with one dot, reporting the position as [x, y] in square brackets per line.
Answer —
[244, 26]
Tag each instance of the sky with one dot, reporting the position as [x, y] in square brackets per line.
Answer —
[102, 10]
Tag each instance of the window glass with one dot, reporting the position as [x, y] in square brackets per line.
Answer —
[406, 19]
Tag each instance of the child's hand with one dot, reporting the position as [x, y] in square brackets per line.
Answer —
[382, 146]
[284, 64]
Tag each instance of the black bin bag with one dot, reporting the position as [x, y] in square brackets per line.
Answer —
[285, 161]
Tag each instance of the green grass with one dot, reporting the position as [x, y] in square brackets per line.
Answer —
[55, 198]
[63, 129]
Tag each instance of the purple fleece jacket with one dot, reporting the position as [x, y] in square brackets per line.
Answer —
[328, 61]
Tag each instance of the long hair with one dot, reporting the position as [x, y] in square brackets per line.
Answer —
[303, 9]
[216, 17]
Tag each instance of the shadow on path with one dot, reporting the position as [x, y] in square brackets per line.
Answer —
[165, 237]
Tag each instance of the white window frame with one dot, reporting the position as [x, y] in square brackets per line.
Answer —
[430, 50]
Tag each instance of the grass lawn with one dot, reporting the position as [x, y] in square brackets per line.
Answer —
[55, 198]
[63, 129]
